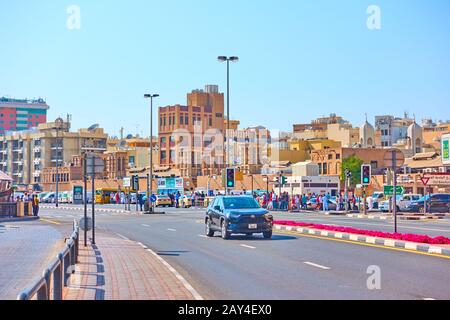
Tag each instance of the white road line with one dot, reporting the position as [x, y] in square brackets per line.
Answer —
[246, 246]
[173, 230]
[316, 265]
[429, 299]
[145, 225]
[123, 237]
[202, 236]
[186, 284]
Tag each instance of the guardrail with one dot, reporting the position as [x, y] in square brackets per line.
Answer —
[51, 284]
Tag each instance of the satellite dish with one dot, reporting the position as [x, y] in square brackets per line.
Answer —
[130, 136]
[93, 127]
[123, 143]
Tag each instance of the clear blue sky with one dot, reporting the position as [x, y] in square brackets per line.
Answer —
[299, 59]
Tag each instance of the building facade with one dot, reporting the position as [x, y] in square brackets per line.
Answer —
[18, 115]
[24, 154]
[191, 137]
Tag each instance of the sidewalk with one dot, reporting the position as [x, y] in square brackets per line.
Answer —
[120, 269]
[26, 248]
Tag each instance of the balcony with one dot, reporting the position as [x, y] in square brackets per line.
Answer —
[37, 149]
[57, 147]
[37, 173]
[37, 161]
[18, 174]
[94, 148]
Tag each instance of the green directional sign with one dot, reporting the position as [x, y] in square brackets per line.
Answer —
[389, 190]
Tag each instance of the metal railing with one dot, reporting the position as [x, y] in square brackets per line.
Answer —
[53, 280]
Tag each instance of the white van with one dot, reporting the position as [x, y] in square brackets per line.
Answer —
[403, 202]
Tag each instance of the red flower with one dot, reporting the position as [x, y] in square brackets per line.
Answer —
[397, 236]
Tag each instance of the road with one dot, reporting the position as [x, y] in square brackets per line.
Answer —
[286, 267]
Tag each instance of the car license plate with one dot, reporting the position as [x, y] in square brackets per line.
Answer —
[253, 226]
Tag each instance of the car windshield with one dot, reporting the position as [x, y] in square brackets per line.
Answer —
[424, 198]
[240, 203]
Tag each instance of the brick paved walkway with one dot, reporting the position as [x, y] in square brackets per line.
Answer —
[26, 248]
[119, 269]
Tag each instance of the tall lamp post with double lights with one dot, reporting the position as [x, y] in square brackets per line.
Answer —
[58, 126]
[227, 60]
[149, 185]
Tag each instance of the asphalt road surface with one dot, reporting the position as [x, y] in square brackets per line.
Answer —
[285, 267]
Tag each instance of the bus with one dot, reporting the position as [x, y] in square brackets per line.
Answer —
[103, 195]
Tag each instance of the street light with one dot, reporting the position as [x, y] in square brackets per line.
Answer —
[149, 185]
[227, 60]
[58, 126]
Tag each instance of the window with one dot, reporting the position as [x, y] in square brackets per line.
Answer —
[330, 157]
[163, 140]
[218, 115]
[164, 121]
[163, 155]
[173, 120]
[374, 164]
[325, 168]
[338, 156]
[160, 122]
[181, 119]
[172, 155]
[210, 121]
[170, 120]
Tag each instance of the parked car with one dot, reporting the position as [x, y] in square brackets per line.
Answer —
[237, 215]
[436, 203]
[377, 198]
[403, 201]
[312, 204]
[185, 201]
[49, 197]
[163, 201]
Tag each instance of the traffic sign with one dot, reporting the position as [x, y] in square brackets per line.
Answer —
[389, 190]
[153, 198]
[425, 181]
[127, 182]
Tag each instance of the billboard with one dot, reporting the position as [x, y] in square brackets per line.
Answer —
[445, 140]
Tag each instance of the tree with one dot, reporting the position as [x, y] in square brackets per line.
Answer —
[354, 165]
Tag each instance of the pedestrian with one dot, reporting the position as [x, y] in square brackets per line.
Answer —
[326, 198]
[177, 199]
[36, 205]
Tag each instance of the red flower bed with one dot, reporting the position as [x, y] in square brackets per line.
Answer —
[397, 236]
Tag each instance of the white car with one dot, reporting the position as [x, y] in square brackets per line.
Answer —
[403, 201]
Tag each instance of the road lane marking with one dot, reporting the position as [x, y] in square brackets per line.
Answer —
[429, 299]
[50, 221]
[123, 237]
[316, 265]
[246, 246]
[145, 225]
[186, 284]
[202, 236]
[364, 244]
[172, 230]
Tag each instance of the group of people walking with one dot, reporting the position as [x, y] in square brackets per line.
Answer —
[312, 201]
[27, 198]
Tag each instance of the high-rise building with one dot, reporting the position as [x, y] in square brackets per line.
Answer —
[188, 134]
[18, 115]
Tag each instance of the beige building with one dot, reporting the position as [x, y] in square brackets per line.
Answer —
[23, 155]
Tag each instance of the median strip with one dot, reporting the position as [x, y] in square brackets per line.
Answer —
[394, 244]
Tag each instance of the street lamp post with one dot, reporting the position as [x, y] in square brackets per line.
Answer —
[149, 185]
[227, 60]
[59, 123]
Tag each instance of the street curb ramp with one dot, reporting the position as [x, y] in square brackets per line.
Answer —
[391, 243]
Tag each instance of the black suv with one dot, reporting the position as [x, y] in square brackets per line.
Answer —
[437, 203]
[237, 215]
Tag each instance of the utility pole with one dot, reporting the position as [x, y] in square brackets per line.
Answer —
[85, 198]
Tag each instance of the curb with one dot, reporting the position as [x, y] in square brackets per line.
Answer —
[89, 209]
[392, 243]
[370, 216]
[18, 219]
